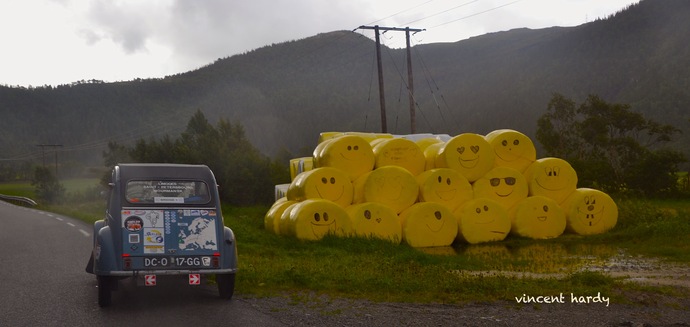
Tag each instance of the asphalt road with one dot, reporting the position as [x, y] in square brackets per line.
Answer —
[43, 283]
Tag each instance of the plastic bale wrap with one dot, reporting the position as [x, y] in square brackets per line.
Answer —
[399, 152]
[589, 211]
[315, 218]
[538, 217]
[294, 164]
[375, 220]
[482, 220]
[554, 178]
[369, 137]
[323, 136]
[392, 186]
[505, 185]
[468, 153]
[349, 153]
[300, 165]
[316, 154]
[284, 220]
[426, 142]
[272, 218]
[427, 224]
[280, 191]
[512, 148]
[322, 183]
[445, 186]
[430, 153]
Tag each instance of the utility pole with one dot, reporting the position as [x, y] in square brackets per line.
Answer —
[54, 146]
[410, 84]
[382, 100]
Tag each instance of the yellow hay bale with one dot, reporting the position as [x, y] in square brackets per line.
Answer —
[427, 224]
[538, 217]
[504, 185]
[369, 137]
[315, 218]
[280, 191]
[316, 154]
[294, 163]
[300, 165]
[426, 142]
[468, 153]
[272, 218]
[445, 186]
[589, 211]
[324, 183]
[284, 221]
[392, 186]
[371, 219]
[512, 148]
[482, 220]
[430, 155]
[349, 153]
[554, 178]
[399, 152]
[323, 136]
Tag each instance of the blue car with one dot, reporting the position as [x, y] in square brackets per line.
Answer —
[162, 220]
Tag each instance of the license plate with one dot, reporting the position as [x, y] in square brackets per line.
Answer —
[177, 262]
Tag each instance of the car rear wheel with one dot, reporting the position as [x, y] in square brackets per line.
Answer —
[226, 285]
[104, 290]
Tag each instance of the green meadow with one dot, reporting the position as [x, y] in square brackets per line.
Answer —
[647, 231]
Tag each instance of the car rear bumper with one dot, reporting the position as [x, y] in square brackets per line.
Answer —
[135, 273]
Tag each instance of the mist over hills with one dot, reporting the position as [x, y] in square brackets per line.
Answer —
[286, 94]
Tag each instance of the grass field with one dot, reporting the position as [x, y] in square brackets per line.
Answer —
[381, 271]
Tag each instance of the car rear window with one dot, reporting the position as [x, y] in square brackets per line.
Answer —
[167, 191]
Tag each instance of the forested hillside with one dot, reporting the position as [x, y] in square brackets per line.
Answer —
[285, 94]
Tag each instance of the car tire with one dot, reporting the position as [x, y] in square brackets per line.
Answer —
[226, 285]
[104, 290]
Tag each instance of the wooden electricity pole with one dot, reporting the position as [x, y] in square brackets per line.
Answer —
[382, 99]
[54, 146]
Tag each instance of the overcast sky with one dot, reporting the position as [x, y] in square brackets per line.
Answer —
[52, 42]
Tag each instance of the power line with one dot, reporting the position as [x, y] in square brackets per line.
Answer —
[400, 12]
[441, 12]
[476, 14]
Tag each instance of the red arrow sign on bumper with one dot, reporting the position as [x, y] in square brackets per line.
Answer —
[150, 280]
[194, 279]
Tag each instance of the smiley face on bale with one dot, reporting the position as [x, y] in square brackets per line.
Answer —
[470, 154]
[375, 220]
[538, 217]
[322, 183]
[554, 178]
[428, 224]
[399, 152]
[504, 185]
[349, 153]
[445, 186]
[392, 186]
[482, 220]
[590, 211]
[313, 219]
[512, 148]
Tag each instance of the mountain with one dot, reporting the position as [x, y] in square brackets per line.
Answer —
[286, 94]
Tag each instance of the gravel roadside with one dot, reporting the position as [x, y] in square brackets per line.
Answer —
[642, 309]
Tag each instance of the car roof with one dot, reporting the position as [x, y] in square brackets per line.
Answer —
[130, 171]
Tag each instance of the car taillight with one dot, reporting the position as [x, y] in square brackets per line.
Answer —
[126, 261]
[216, 260]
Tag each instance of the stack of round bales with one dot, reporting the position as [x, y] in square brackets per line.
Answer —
[432, 190]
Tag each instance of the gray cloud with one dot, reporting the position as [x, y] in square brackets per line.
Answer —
[128, 26]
